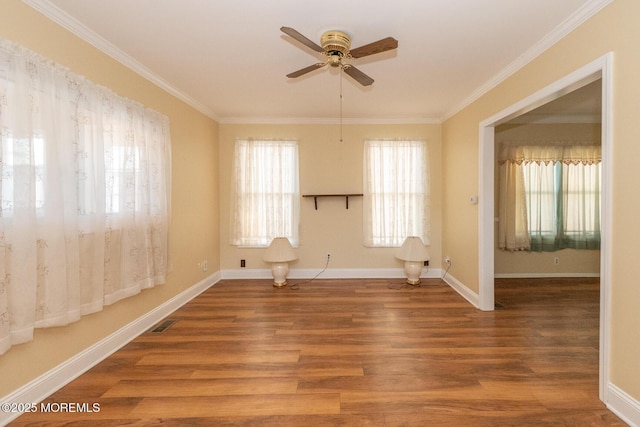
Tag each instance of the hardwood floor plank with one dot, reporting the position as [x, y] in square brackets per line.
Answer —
[239, 406]
[308, 368]
[213, 356]
[202, 387]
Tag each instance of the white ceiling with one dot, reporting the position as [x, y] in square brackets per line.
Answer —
[229, 58]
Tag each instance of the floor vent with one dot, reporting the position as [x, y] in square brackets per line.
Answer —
[166, 324]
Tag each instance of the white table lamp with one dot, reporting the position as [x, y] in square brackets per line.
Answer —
[414, 254]
[279, 253]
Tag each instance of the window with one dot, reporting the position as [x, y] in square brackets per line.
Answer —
[396, 192]
[266, 192]
[549, 196]
[84, 196]
[20, 158]
[122, 169]
[563, 205]
[26, 158]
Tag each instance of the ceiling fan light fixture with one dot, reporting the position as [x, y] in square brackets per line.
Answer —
[335, 60]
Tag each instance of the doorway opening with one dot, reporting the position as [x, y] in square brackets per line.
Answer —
[599, 69]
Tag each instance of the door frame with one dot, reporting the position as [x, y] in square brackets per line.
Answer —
[600, 68]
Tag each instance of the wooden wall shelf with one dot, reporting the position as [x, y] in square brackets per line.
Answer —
[346, 196]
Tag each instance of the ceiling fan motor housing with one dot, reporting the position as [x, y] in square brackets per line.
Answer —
[336, 44]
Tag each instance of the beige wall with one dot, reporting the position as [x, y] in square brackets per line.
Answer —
[571, 262]
[612, 29]
[328, 166]
[194, 229]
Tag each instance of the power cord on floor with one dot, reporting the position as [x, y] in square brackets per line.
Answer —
[296, 286]
[446, 271]
[406, 285]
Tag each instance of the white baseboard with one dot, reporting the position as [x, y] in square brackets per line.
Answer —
[463, 290]
[56, 378]
[542, 275]
[623, 405]
[330, 273]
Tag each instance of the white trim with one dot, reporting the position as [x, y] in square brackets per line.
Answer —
[623, 405]
[571, 23]
[463, 290]
[543, 275]
[606, 222]
[599, 68]
[330, 273]
[66, 21]
[58, 16]
[247, 273]
[486, 217]
[330, 121]
[51, 381]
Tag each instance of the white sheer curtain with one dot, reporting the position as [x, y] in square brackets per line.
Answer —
[396, 192]
[513, 227]
[266, 195]
[549, 196]
[84, 196]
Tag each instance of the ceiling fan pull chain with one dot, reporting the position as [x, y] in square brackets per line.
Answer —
[341, 104]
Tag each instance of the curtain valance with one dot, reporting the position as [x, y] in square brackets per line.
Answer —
[566, 152]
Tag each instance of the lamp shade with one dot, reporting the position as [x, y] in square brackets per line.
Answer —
[413, 250]
[280, 250]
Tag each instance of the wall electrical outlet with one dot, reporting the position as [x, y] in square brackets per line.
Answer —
[328, 256]
[203, 265]
[243, 263]
[447, 260]
[556, 261]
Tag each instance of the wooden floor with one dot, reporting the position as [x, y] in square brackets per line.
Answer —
[356, 353]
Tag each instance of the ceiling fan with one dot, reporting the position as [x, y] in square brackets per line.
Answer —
[336, 46]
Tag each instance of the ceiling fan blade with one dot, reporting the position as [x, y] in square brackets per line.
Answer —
[358, 75]
[306, 70]
[302, 39]
[380, 46]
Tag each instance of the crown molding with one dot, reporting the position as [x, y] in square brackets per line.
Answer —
[571, 23]
[74, 26]
[328, 121]
[71, 24]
